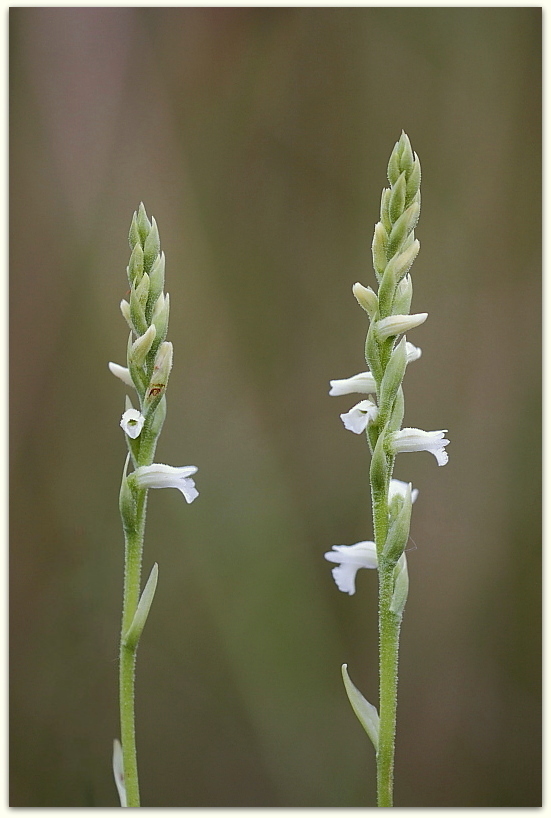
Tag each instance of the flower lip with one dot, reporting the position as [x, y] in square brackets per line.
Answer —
[357, 419]
[161, 476]
[350, 559]
[416, 440]
[132, 422]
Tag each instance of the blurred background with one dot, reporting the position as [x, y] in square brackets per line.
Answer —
[259, 138]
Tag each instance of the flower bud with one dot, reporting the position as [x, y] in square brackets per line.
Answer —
[159, 378]
[366, 298]
[398, 532]
[127, 503]
[160, 318]
[156, 280]
[379, 467]
[136, 319]
[121, 372]
[403, 227]
[125, 309]
[385, 217]
[134, 233]
[401, 587]
[397, 198]
[151, 247]
[378, 249]
[405, 153]
[402, 296]
[396, 324]
[142, 290]
[413, 183]
[142, 345]
[135, 265]
[143, 224]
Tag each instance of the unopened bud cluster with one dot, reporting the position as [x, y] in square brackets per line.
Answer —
[149, 355]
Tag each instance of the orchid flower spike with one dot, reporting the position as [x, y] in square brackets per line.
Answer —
[159, 476]
[350, 559]
[415, 440]
[357, 419]
[132, 422]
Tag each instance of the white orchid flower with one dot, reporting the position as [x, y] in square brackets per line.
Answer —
[132, 422]
[415, 440]
[159, 476]
[396, 324]
[350, 559]
[364, 382]
[357, 419]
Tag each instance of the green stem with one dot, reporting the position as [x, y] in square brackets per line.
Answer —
[389, 633]
[132, 576]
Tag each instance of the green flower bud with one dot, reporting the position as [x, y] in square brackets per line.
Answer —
[402, 297]
[367, 299]
[142, 345]
[401, 587]
[137, 315]
[385, 217]
[160, 318]
[156, 281]
[134, 234]
[152, 246]
[143, 224]
[142, 291]
[159, 416]
[127, 503]
[397, 198]
[135, 265]
[159, 378]
[125, 309]
[403, 227]
[413, 183]
[394, 169]
[398, 532]
[405, 154]
[372, 353]
[379, 249]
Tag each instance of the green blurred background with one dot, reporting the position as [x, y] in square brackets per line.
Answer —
[258, 138]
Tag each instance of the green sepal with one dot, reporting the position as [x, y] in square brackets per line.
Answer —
[401, 587]
[378, 470]
[127, 502]
[144, 225]
[393, 377]
[158, 418]
[365, 712]
[160, 320]
[140, 348]
[132, 635]
[159, 379]
[413, 183]
[397, 414]
[397, 198]
[398, 532]
[152, 246]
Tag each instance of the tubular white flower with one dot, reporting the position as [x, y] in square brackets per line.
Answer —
[396, 324]
[121, 372]
[357, 419]
[415, 440]
[398, 488]
[132, 422]
[363, 382]
[159, 476]
[350, 559]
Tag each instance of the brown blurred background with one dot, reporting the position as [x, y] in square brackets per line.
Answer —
[258, 138]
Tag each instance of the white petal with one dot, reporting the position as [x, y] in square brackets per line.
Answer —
[416, 440]
[396, 324]
[412, 352]
[345, 577]
[121, 372]
[363, 383]
[398, 487]
[359, 416]
[187, 487]
[350, 559]
[132, 422]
